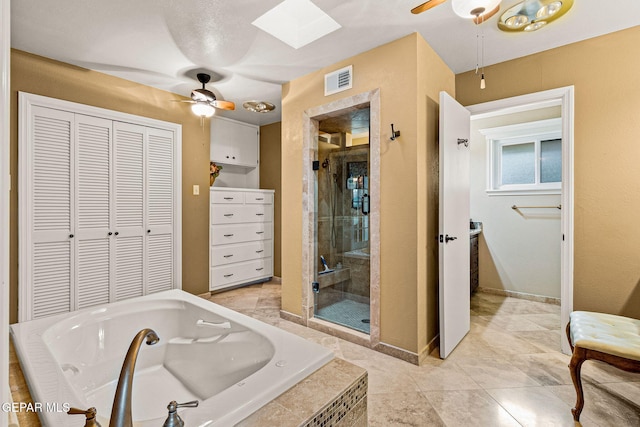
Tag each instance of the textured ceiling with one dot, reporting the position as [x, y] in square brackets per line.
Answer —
[164, 43]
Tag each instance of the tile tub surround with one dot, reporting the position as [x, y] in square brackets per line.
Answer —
[532, 388]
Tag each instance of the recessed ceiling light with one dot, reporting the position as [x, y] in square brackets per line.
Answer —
[296, 22]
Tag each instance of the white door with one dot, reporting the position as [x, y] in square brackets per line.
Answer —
[93, 211]
[129, 190]
[454, 224]
[159, 227]
[48, 236]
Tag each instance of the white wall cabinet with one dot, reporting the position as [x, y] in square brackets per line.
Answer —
[234, 143]
[100, 211]
[241, 237]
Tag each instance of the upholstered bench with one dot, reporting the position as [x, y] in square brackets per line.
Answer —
[605, 337]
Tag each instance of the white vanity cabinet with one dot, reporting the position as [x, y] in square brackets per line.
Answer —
[234, 143]
[240, 237]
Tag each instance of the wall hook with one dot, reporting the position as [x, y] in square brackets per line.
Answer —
[463, 141]
[394, 133]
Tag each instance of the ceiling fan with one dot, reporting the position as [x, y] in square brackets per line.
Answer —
[204, 102]
[478, 10]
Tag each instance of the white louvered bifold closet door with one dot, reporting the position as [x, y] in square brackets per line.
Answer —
[51, 216]
[93, 207]
[129, 177]
[160, 191]
[99, 206]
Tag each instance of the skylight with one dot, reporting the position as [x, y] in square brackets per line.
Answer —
[296, 22]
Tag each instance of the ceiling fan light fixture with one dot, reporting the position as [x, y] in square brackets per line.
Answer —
[469, 9]
[258, 106]
[202, 109]
[531, 15]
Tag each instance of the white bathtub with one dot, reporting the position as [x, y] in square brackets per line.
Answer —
[232, 369]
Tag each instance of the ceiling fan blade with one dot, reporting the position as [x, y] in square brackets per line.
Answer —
[223, 105]
[182, 100]
[426, 6]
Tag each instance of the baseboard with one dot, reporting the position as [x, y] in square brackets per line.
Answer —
[295, 318]
[520, 295]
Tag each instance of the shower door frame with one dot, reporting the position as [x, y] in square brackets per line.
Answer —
[311, 118]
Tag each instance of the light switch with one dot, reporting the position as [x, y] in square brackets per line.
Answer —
[196, 190]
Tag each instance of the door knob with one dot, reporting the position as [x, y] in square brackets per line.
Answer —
[448, 238]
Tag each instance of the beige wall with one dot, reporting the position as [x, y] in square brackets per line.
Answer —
[42, 76]
[270, 177]
[517, 252]
[607, 155]
[408, 215]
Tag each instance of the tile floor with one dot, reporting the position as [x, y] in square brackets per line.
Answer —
[508, 371]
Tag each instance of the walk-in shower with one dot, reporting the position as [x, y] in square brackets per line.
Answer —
[342, 229]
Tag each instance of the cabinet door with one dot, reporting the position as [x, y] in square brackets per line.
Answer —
[47, 271]
[129, 195]
[247, 145]
[93, 210]
[234, 143]
[160, 192]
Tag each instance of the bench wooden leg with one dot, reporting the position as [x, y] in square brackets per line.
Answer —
[578, 358]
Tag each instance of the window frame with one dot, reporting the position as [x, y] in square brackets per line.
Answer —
[523, 133]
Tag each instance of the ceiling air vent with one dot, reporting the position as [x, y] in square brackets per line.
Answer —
[338, 80]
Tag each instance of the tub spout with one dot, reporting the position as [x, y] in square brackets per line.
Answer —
[121, 412]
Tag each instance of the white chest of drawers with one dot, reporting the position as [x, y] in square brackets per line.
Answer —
[240, 237]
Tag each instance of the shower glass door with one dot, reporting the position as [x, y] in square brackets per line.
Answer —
[342, 222]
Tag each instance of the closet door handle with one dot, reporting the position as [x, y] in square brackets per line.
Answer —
[148, 231]
[260, 214]
[228, 275]
[116, 233]
[260, 251]
[109, 233]
[261, 268]
[71, 236]
[228, 215]
[227, 256]
[228, 235]
[259, 232]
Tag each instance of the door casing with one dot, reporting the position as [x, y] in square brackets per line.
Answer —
[563, 96]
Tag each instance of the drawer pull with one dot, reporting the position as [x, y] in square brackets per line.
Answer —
[259, 232]
[227, 256]
[260, 214]
[260, 251]
[259, 198]
[261, 268]
[228, 214]
[228, 235]
[228, 275]
[228, 198]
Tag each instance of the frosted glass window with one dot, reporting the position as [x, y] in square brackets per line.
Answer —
[551, 160]
[518, 164]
